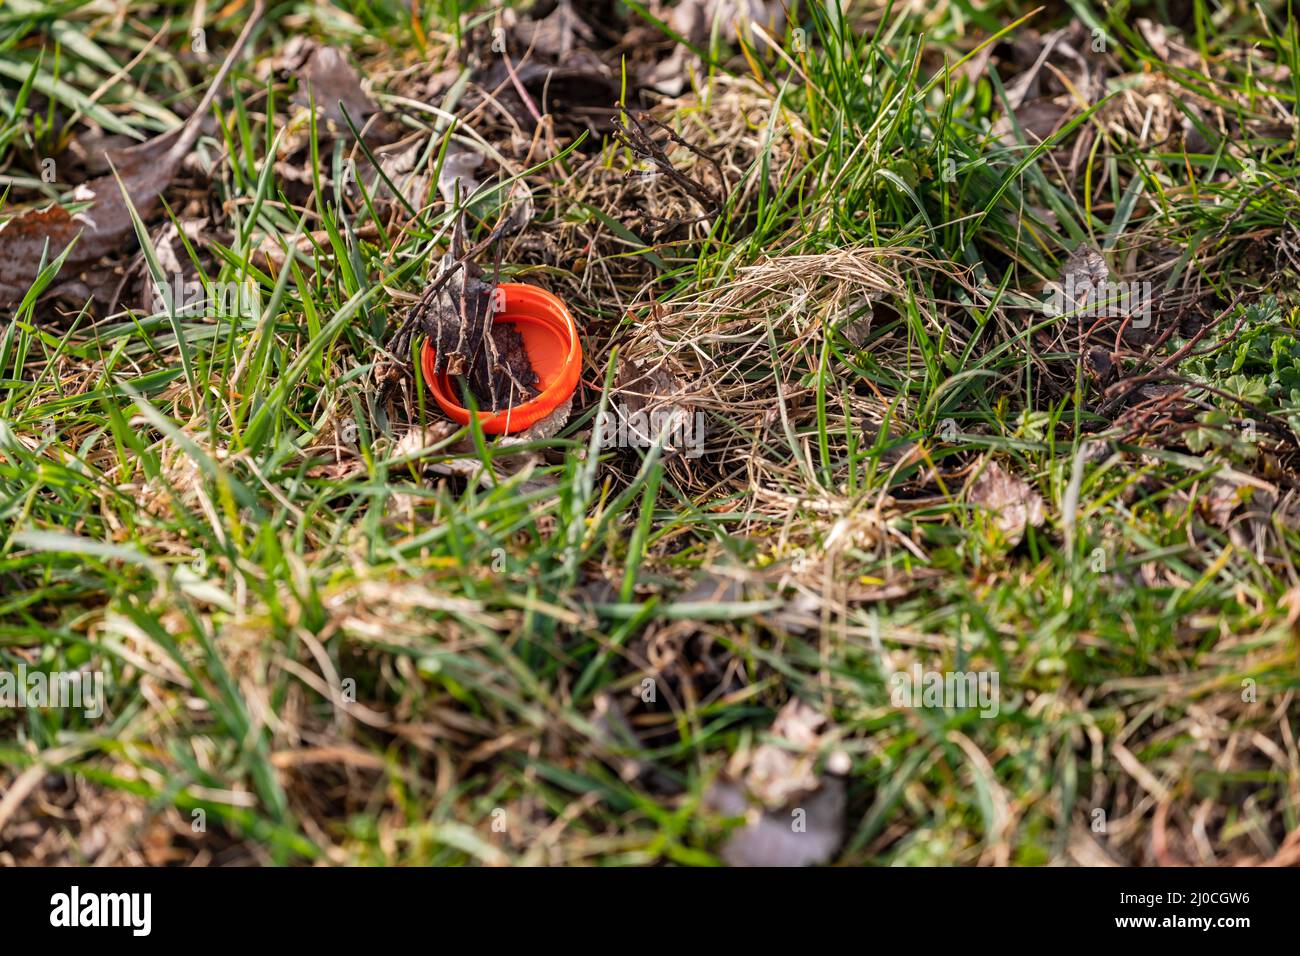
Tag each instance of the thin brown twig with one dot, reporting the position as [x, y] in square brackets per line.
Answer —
[634, 130]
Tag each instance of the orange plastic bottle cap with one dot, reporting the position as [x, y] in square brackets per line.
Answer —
[551, 343]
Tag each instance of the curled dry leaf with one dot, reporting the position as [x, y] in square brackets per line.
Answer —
[95, 152]
[1062, 61]
[401, 165]
[547, 427]
[614, 732]
[144, 172]
[694, 19]
[1038, 120]
[1059, 73]
[670, 75]
[558, 33]
[1223, 497]
[862, 314]
[580, 94]
[512, 205]
[1014, 504]
[651, 401]
[805, 835]
[794, 815]
[420, 438]
[456, 178]
[1083, 278]
[173, 262]
[330, 80]
[779, 773]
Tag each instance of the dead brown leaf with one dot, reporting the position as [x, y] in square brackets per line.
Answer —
[1013, 502]
[794, 815]
[558, 33]
[804, 835]
[1083, 277]
[335, 86]
[457, 172]
[652, 400]
[780, 772]
[143, 173]
[694, 19]
[1038, 120]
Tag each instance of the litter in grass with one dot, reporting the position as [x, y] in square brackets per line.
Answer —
[848, 431]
